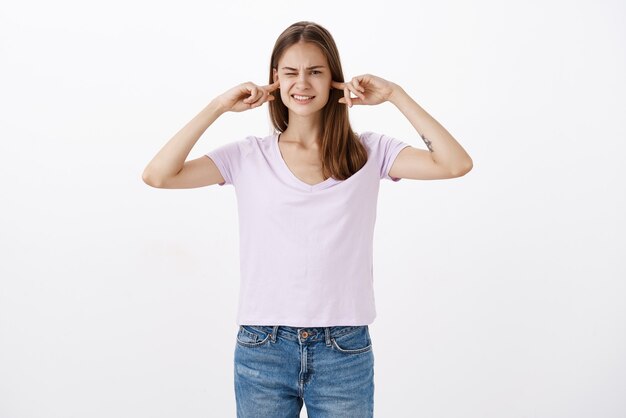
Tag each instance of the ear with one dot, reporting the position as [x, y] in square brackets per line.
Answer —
[275, 74]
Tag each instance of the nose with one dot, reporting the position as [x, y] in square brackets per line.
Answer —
[302, 79]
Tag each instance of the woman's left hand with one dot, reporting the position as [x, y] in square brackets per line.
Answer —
[369, 89]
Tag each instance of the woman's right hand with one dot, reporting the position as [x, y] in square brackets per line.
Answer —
[246, 96]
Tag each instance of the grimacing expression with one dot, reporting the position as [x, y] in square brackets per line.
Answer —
[303, 70]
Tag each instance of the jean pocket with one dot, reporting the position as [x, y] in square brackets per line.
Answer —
[354, 342]
[249, 336]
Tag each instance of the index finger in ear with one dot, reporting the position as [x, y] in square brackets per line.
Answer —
[273, 86]
[338, 85]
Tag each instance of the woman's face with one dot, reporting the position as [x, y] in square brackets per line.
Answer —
[303, 70]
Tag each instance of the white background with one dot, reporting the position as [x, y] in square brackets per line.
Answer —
[499, 293]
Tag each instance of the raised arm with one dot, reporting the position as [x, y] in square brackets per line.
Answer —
[445, 157]
[169, 170]
[445, 153]
[170, 160]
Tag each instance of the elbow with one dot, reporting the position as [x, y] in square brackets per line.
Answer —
[468, 167]
[150, 180]
[463, 170]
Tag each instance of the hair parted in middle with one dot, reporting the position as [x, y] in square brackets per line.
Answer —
[342, 153]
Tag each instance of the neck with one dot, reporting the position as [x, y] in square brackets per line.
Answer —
[303, 130]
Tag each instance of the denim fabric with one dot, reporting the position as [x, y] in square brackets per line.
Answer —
[280, 368]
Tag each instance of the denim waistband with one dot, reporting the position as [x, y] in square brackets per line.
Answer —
[308, 333]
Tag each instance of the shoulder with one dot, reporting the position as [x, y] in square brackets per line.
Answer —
[244, 147]
[380, 140]
[254, 146]
[376, 142]
[368, 139]
[366, 136]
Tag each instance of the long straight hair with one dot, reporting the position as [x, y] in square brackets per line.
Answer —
[341, 152]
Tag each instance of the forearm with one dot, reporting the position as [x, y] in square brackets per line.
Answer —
[170, 159]
[444, 149]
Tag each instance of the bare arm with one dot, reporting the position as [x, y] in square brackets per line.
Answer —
[445, 157]
[444, 150]
[169, 161]
[169, 170]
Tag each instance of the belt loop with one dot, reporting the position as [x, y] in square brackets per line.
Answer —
[327, 332]
[274, 333]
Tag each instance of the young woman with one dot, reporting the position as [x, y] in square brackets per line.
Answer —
[307, 207]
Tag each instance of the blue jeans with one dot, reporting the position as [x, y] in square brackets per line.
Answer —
[278, 368]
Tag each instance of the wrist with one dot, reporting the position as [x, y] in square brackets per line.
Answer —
[396, 91]
[217, 106]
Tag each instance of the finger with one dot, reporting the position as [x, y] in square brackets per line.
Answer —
[260, 94]
[351, 89]
[265, 97]
[253, 95]
[256, 103]
[337, 84]
[355, 101]
[270, 90]
[357, 88]
[273, 86]
[346, 94]
[354, 89]
[358, 85]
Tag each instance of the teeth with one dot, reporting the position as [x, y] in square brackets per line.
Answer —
[302, 97]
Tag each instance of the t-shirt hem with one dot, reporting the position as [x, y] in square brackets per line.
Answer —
[392, 159]
[303, 324]
[220, 166]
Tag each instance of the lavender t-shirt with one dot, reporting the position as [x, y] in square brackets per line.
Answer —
[305, 250]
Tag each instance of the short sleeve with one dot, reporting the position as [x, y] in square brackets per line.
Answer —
[228, 159]
[385, 148]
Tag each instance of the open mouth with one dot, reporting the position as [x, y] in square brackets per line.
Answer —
[302, 99]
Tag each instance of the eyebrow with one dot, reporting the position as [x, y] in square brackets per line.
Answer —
[309, 68]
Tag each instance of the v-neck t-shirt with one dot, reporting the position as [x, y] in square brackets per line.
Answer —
[306, 251]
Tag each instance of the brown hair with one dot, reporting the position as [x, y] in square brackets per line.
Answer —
[342, 153]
